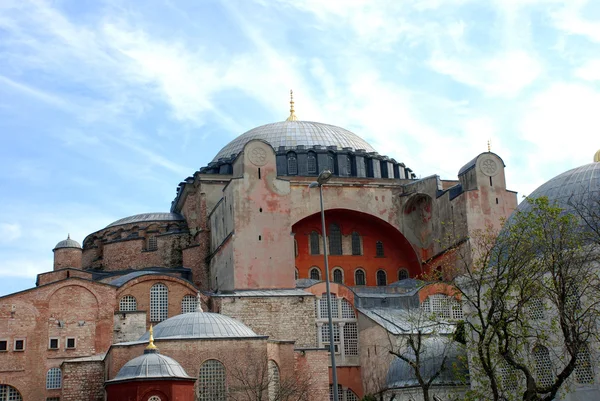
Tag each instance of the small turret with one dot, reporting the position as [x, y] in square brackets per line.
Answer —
[67, 253]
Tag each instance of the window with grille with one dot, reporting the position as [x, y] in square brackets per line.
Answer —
[381, 278]
[350, 339]
[509, 377]
[359, 277]
[292, 162]
[154, 398]
[356, 248]
[350, 395]
[348, 165]
[53, 378]
[315, 273]
[273, 381]
[152, 244]
[211, 381]
[325, 336]
[335, 239]
[402, 274]
[323, 307]
[314, 243]
[543, 366]
[536, 309]
[340, 393]
[443, 306]
[331, 163]
[338, 276]
[9, 393]
[584, 373]
[311, 161]
[189, 303]
[128, 304]
[347, 310]
[159, 302]
[379, 249]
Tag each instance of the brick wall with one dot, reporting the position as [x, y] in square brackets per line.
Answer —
[83, 381]
[280, 318]
[50, 277]
[67, 257]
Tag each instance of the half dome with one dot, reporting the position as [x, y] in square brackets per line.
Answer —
[200, 325]
[293, 133]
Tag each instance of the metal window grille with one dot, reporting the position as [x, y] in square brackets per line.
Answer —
[9, 393]
[314, 243]
[402, 274]
[159, 302]
[154, 398]
[379, 249]
[53, 378]
[347, 310]
[340, 393]
[189, 303]
[128, 304]
[315, 273]
[583, 367]
[152, 244]
[350, 395]
[509, 377]
[356, 249]
[543, 366]
[325, 334]
[381, 278]
[311, 161]
[334, 307]
[292, 162]
[211, 381]
[572, 300]
[536, 309]
[443, 306]
[273, 381]
[350, 339]
[335, 239]
[338, 276]
[359, 277]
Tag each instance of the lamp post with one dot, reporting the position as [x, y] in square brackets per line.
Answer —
[321, 180]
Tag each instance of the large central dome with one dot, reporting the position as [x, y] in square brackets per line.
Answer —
[293, 133]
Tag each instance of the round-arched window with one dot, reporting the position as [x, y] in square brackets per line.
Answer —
[315, 273]
[211, 381]
[359, 277]
[402, 274]
[338, 276]
[381, 278]
[9, 393]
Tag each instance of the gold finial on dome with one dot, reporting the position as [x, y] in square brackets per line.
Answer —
[151, 339]
[292, 116]
[489, 145]
[597, 156]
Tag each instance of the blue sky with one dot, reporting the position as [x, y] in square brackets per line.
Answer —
[105, 106]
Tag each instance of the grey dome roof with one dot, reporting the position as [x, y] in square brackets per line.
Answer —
[67, 243]
[571, 187]
[455, 372]
[151, 365]
[293, 133]
[147, 217]
[200, 325]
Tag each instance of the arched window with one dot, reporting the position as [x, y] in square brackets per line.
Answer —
[348, 165]
[379, 249]
[9, 393]
[359, 277]
[536, 309]
[189, 303]
[292, 163]
[402, 274]
[356, 248]
[311, 161]
[315, 273]
[127, 304]
[584, 373]
[331, 162]
[543, 366]
[338, 276]
[211, 381]
[273, 381]
[159, 302]
[381, 278]
[314, 243]
[509, 376]
[443, 306]
[335, 239]
[53, 378]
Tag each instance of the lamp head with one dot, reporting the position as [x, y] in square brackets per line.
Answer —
[324, 177]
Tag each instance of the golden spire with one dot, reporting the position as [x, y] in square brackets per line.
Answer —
[292, 116]
[151, 339]
[489, 145]
[597, 156]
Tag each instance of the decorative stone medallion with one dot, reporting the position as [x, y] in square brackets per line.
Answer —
[257, 155]
[488, 166]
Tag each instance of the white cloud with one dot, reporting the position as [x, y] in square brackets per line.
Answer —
[9, 232]
[589, 71]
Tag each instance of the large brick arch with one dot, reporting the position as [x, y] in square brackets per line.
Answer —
[75, 301]
[398, 251]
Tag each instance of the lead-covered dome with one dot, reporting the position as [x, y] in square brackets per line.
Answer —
[151, 365]
[67, 243]
[200, 325]
[146, 218]
[290, 134]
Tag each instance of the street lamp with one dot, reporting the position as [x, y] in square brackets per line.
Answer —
[321, 180]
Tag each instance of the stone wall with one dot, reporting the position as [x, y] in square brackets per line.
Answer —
[83, 381]
[129, 326]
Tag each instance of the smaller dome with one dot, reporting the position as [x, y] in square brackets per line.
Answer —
[67, 243]
[151, 365]
[200, 325]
